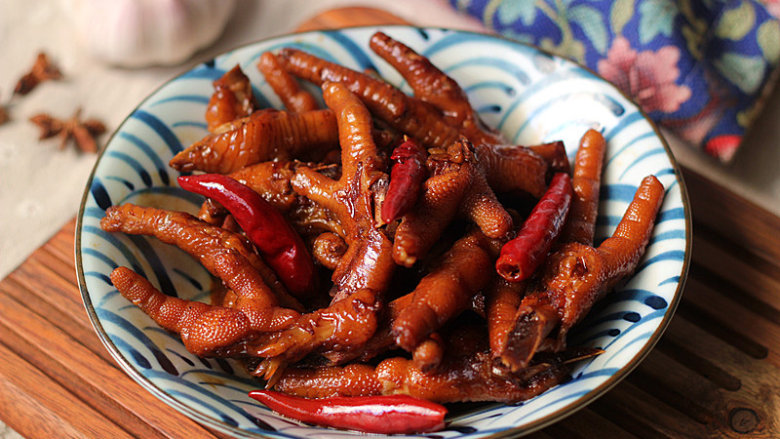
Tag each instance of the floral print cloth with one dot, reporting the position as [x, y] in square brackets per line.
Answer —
[697, 67]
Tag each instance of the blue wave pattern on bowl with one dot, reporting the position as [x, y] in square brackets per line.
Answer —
[530, 96]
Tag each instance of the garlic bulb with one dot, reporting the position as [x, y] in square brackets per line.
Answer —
[136, 33]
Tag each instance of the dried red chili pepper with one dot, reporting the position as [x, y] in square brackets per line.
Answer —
[406, 180]
[521, 256]
[389, 414]
[281, 247]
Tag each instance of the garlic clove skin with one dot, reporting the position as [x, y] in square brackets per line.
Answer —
[139, 33]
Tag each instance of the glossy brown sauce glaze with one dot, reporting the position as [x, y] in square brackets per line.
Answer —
[395, 315]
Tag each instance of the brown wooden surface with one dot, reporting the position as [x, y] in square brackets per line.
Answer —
[350, 16]
[715, 373]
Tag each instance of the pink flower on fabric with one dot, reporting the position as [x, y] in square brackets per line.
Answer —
[773, 6]
[648, 77]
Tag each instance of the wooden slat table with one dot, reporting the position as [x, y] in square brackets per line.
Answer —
[716, 371]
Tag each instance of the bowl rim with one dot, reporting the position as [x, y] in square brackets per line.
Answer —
[517, 431]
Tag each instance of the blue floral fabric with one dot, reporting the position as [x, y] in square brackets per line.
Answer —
[697, 67]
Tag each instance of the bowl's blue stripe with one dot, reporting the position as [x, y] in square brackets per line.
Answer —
[180, 356]
[155, 328]
[488, 109]
[533, 88]
[219, 412]
[617, 192]
[166, 285]
[94, 212]
[509, 91]
[203, 72]
[260, 97]
[305, 46]
[140, 360]
[190, 123]
[671, 255]
[191, 280]
[117, 244]
[610, 102]
[485, 61]
[608, 371]
[632, 294]
[455, 39]
[357, 53]
[638, 339]
[98, 275]
[107, 297]
[141, 337]
[162, 130]
[100, 256]
[197, 99]
[201, 395]
[671, 234]
[544, 407]
[555, 133]
[629, 331]
[100, 194]
[133, 163]
[630, 144]
[173, 191]
[653, 152]
[557, 100]
[127, 184]
[622, 124]
[144, 147]
[675, 213]
[218, 374]
[671, 280]
[612, 332]
[593, 322]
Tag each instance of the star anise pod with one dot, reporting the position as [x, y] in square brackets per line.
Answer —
[82, 132]
[42, 70]
[3, 114]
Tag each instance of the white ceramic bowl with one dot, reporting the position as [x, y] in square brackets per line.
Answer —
[529, 95]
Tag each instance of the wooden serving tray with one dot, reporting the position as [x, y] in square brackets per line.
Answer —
[716, 371]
